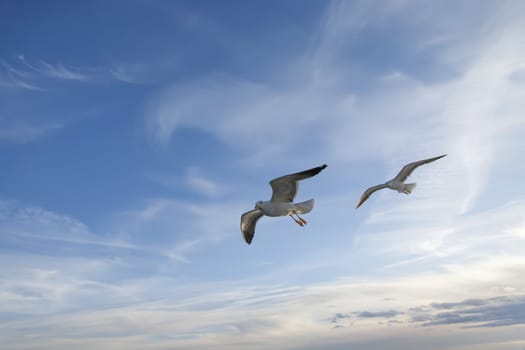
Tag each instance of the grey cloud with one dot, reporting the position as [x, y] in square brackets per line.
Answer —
[493, 312]
[420, 318]
[419, 309]
[391, 322]
[338, 317]
[385, 314]
[468, 302]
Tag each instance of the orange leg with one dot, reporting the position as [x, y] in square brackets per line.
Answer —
[298, 222]
[299, 219]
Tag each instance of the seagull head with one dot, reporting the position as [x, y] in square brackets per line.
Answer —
[258, 205]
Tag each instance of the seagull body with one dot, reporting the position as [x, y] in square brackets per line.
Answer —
[284, 191]
[275, 209]
[398, 182]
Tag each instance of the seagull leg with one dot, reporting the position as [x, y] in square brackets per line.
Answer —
[300, 218]
[298, 222]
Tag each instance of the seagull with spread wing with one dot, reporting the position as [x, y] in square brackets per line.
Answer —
[284, 190]
[398, 182]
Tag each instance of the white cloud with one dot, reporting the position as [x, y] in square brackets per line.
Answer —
[160, 312]
[203, 185]
[194, 180]
[23, 73]
[153, 71]
[429, 237]
[46, 69]
[122, 74]
[49, 297]
[317, 111]
[13, 77]
[20, 223]
[180, 250]
[234, 315]
[21, 130]
[176, 228]
[59, 71]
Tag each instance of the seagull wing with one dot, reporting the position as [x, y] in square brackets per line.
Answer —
[248, 221]
[368, 193]
[285, 187]
[409, 168]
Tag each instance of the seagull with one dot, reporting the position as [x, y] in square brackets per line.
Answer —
[398, 182]
[284, 190]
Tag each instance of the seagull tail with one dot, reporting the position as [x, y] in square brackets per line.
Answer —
[304, 207]
[410, 187]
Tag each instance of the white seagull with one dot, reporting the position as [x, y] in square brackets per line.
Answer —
[398, 182]
[284, 190]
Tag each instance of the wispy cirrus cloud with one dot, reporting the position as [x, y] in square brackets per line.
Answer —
[317, 108]
[25, 82]
[59, 71]
[162, 228]
[13, 78]
[425, 238]
[344, 110]
[103, 286]
[41, 75]
[200, 183]
[24, 226]
[150, 72]
[32, 76]
[183, 225]
[20, 130]
[193, 179]
[232, 314]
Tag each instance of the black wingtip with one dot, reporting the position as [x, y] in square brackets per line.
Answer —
[247, 239]
[323, 166]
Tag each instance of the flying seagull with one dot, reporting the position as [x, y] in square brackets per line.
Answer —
[284, 190]
[398, 182]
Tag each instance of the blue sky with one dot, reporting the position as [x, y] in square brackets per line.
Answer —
[133, 135]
